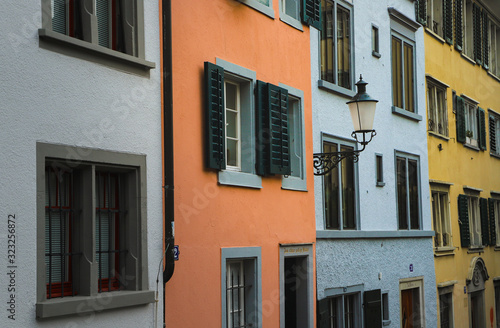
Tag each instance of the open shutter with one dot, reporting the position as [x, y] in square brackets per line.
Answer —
[486, 43]
[214, 116]
[463, 220]
[458, 25]
[373, 308]
[493, 135]
[460, 118]
[491, 214]
[485, 226]
[323, 313]
[421, 11]
[481, 122]
[448, 21]
[477, 27]
[311, 13]
[273, 146]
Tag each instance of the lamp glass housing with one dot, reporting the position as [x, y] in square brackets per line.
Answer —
[362, 114]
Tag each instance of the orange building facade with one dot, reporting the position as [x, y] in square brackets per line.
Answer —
[244, 200]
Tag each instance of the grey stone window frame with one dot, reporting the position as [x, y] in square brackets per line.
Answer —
[404, 28]
[90, 48]
[334, 87]
[85, 160]
[298, 250]
[247, 177]
[350, 143]
[386, 318]
[292, 21]
[407, 156]
[297, 131]
[379, 170]
[340, 293]
[259, 6]
[375, 41]
[253, 271]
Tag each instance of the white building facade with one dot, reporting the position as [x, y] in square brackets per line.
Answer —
[374, 253]
[81, 162]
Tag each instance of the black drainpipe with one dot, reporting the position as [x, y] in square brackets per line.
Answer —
[168, 144]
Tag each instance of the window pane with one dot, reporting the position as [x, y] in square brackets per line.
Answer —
[380, 172]
[264, 2]
[292, 8]
[333, 313]
[295, 136]
[232, 152]
[409, 101]
[443, 203]
[327, 42]
[231, 94]
[343, 47]
[414, 194]
[397, 82]
[349, 311]
[436, 219]
[444, 309]
[231, 124]
[331, 181]
[402, 193]
[348, 191]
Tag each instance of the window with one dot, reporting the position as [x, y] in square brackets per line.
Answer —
[468, 26]
[297, 180]
[471, 123]
[98, 26]
[340, 311]
[241, 287]
[494, 122]
[336, 46]
[497, 302]
[408, 191]
[412, 303]
[290, 13]
[385, 309]
[340, 189]
[494, 48]
[375, 42]
[435, 16]
[441, 219]
[474, 221]
[264, 6]
[71, 226]
[233, 125]
[446, 307]
[437, 109]
[403, 65]
[379, 169]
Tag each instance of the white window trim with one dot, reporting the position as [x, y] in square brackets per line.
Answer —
[431, 15]
[266, 10]
[292, 21]
[444, 220]
[237, 111]
[436, 88]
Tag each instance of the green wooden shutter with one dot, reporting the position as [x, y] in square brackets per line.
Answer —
[460, 118]
[311, 13]
[485, 226]
[463, 220]
[448, 21]
[493, 135]
[215, 117]
[421, 11]
[477, 27]
[491, 212]
[458, 25]
[486, 48]
[59, 16]
[481, 122]
[323, 313]
[262, 129]
[373, 308]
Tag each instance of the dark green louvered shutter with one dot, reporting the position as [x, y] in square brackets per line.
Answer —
[214, 115]
[273, 146]
[373, 308]
[477, 27]
[460, 118]
[323, 313]
[59, 17]
[103, 13]
[311, 13]
[491, 212]
[448, 21]
[463, 220]
[458, 25]
[481, 124]
[485, 226]
[493, 134]
[486, 48]
[421, 11]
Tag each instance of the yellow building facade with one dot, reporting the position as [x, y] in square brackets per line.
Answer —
[462, 46]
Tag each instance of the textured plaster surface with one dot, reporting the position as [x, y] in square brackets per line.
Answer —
[54, 98]
[349, 262]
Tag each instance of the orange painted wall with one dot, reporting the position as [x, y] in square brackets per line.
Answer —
[209, 216]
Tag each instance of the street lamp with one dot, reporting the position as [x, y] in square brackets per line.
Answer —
[362, 108]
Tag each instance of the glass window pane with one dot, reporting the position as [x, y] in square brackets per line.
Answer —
[409, 87]
[414, 194]
[397, 82]
[332, 197]
[231, 94]
[292, 8]
[232, 124]
[327, 42]
[349, 311]
[333, 313]
[402, 193]
[232, 152]
[348, 191]
[343, 47]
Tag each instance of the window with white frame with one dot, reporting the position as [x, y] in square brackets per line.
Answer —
[441, 218]
[264, 6]
[340, 188]
[468, 28]
[474, 221]
[344, 311]
[85, 210]
[494, 48]
[446, 307]
[290, 12]
[437, 108]
[471, 127]
[241, 287]
[408, 191]
[336, 45]
[375, 42]
[233, 124]
[435, 16]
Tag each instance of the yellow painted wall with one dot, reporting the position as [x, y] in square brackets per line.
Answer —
[461, 166]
